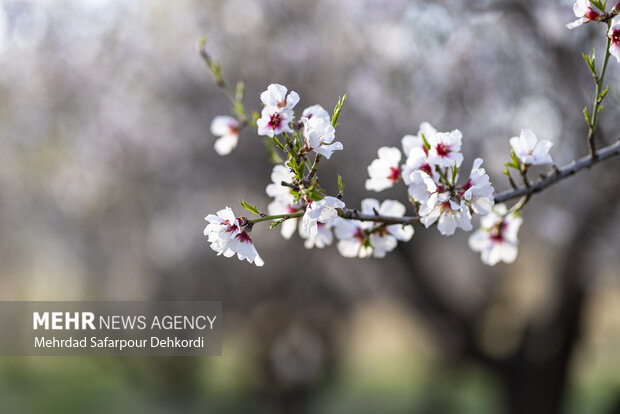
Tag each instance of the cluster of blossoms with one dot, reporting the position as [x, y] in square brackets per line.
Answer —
[429, 165]
[585, 11]
[430, 172]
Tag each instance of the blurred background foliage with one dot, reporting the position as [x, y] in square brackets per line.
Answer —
[107, 170]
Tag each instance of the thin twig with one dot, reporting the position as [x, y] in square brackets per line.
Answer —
[558, 174]
[353, 214]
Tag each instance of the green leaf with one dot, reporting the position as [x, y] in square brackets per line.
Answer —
[297, 141]
[276, 223]
[252, 208]
[278, 144]
[315, 195]
[337, 110]
[239, 110]
[340, 185]
[217, 71]
[514, 161]
[239, 92]
[586, 114]
[455, 172]
[298, 169]
[426, 144]
[274, 157]
[599, 4]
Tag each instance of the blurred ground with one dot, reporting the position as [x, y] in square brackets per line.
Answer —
[107, 171]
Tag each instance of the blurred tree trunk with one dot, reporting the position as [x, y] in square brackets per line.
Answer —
[534, 376]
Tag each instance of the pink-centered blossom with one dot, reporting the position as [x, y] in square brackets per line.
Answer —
[316, 111]
[445, 149]
[614, 35]
[278, 111]
[275, 97]
[584, 12]
[530, 150]
[227, 129]
[436, 205]
[274, 121]
[384, 171]
[228, 237]
[353, 239]
[417, 153]
[448, 214]
[496, 240]
[478, 191]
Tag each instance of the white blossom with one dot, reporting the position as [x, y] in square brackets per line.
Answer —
[496, 239]
[389, 208]
[319, 136]
[323, 211]
[448, 214]
[416, 141]
[316, 111]
[275, 97]
[222, 228]
[279, 174]
[614, 35]
[285, 206]
[227, 129]
[422, 187]
[416, 161]
[353, 238]
[284, 200]
[323, 237]
[584, 12]
[278, 111]
[274, 121]
[365, 239]
[228, 237]
[384, 171]
[529, 150]
[478, 190]
[445, 147]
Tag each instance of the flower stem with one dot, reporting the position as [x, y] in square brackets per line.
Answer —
[558, 174]
[314, 167]
[275, 217]
[598, 98]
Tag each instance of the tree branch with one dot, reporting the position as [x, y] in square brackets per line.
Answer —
[353, 214]
[558, 174]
